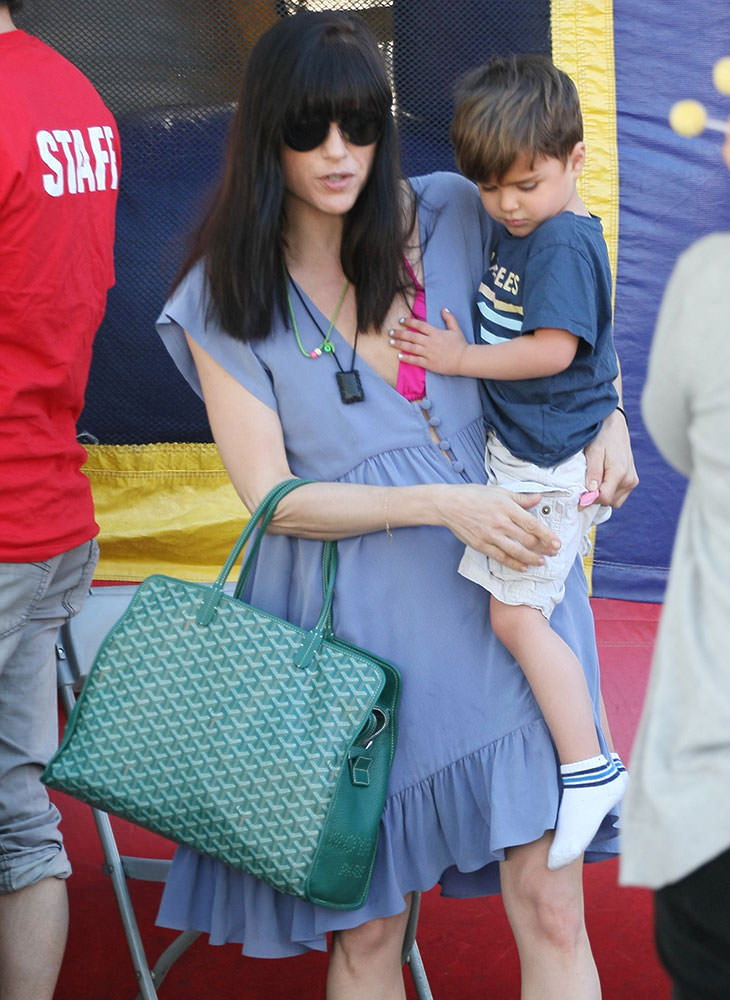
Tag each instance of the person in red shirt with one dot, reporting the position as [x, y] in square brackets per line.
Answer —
[59, 177]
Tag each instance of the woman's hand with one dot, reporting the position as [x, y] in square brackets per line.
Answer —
[498, 523]
[610, 463]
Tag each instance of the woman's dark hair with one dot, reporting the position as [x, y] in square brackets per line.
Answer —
[13, 5]
[309, 61]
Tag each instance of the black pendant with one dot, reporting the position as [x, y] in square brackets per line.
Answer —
[348, 383]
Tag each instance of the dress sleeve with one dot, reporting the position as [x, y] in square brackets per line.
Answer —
[444, 191]
[186, 311]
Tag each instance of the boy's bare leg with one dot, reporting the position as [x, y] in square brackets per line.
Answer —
[555, 676]
[592, 784]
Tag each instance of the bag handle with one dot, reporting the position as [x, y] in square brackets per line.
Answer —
[262, 515]
[329, 572]
[259, 518]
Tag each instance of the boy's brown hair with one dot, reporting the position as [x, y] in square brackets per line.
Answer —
[509, 106]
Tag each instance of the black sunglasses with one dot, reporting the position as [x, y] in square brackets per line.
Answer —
[307, 131]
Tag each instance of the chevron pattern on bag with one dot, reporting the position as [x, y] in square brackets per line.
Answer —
[261, 774]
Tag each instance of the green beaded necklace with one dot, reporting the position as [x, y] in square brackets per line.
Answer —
[327, 346]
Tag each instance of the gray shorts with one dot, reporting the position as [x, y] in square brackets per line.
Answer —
[35, 599]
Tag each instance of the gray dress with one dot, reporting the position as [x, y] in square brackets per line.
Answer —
[475, 771]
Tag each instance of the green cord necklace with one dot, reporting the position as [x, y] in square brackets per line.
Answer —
[327, 346]
[348, 382]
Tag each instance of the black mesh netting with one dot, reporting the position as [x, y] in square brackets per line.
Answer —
[169, 70]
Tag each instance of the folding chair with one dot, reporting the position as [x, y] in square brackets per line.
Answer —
[77, 644]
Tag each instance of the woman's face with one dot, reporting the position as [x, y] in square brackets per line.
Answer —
[330, 177]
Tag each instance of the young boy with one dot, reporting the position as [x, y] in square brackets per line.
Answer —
[545, 352]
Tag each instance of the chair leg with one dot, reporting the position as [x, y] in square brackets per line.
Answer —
[418, 974]
[170, 955]
[411, 956]
[115, 870]
[410, 932]
[118, 869]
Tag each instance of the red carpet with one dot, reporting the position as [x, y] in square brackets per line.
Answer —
[466, 946]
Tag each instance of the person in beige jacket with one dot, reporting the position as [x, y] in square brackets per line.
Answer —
[676, 817]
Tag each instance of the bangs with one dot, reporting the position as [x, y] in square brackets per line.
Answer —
[488, 157]
[482, 158]
[339, 77]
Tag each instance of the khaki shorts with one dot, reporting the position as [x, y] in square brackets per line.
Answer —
[560, 486]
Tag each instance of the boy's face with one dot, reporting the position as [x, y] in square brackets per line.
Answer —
[531, 192]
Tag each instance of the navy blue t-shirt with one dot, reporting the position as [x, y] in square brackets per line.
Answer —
[557, 277]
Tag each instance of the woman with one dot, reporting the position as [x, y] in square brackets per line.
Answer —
[311, 251]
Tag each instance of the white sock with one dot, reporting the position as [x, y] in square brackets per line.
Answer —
[591, 788]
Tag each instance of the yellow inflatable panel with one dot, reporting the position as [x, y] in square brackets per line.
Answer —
[582, 46]
[163, 508]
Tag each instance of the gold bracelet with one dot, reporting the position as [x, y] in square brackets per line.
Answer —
[388, 532]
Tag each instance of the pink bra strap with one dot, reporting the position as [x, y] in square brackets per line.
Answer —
[411, 379]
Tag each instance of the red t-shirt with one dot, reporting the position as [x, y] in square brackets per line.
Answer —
[59, 176]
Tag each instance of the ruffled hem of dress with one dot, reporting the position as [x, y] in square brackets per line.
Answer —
[440, 829]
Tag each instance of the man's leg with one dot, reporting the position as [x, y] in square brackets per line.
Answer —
[33, 928]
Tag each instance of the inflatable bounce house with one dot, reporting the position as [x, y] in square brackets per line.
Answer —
[170, 70]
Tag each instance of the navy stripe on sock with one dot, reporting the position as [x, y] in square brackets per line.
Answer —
[600, 775]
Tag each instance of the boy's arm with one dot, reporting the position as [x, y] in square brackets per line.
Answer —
[532, 355]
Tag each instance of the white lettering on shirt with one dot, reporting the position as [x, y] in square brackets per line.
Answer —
[72, 168]
[84, 173]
